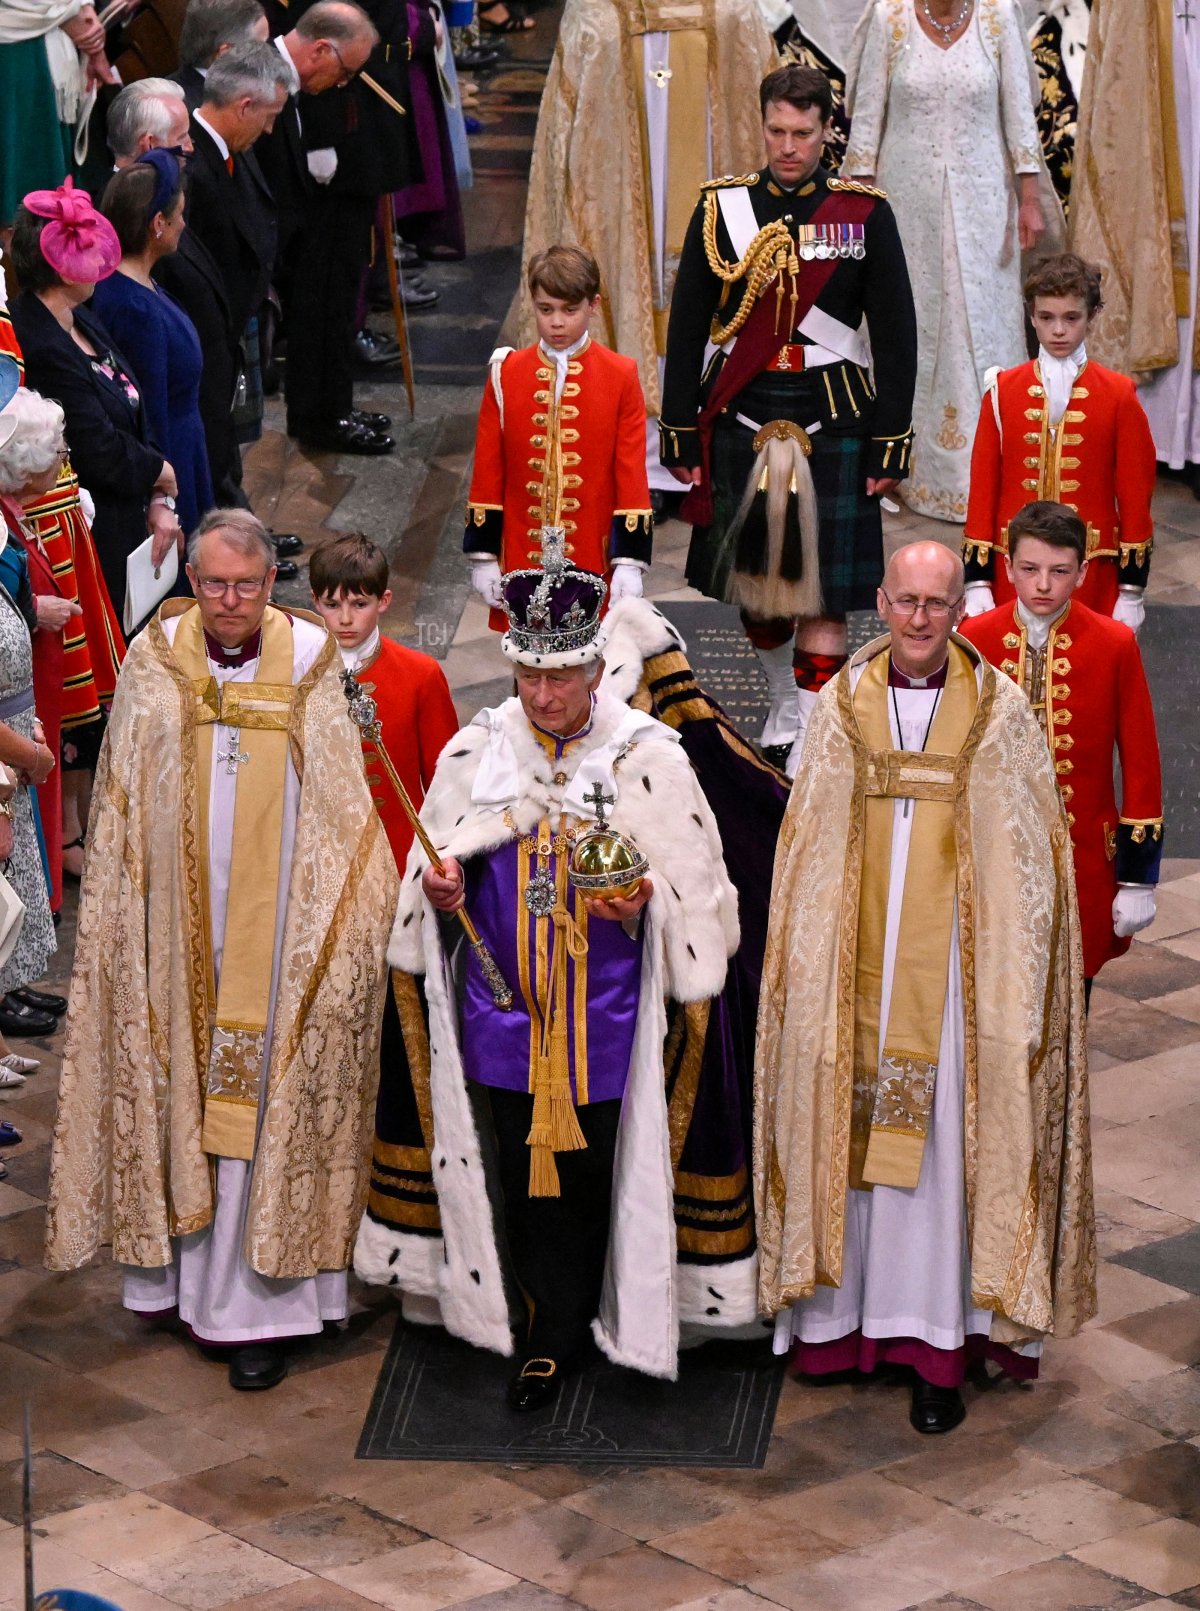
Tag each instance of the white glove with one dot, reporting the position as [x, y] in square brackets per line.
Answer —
[322, 164]
[486, 580]
[88, 504]
[1133, 909]
[1130, 611]
[979, 598]
[626, 581]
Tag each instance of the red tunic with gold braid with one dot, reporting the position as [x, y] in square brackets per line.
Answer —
[93, 645]
[1088, 689]
[579, 462]
[1098, 460]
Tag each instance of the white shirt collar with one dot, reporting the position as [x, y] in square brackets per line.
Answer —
[213, 135]
[286, 54]
[357, 657]
[1058, 376]
[560, 358]
[1037, 627]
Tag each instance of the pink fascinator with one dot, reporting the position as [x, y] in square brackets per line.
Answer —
[78, 243]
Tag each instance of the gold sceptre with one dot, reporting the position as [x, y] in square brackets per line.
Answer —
[365, 716]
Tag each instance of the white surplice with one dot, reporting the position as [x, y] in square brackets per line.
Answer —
[219, 1296]
[906, 1269]
[945, 132]
[1171, 397]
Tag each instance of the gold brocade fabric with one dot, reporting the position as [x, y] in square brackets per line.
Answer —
[127, 1165]
[893, 1089]
[1126, 194]
[1026, 1154]
[259, 713]
[589, 182]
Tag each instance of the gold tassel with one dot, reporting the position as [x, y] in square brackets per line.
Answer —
[555, 1126]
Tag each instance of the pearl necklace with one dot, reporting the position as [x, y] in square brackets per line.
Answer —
[947, 29]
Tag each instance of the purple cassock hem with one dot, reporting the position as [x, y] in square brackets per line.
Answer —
[940, 1367]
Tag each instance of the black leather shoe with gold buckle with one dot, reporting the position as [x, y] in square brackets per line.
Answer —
[535, 1384]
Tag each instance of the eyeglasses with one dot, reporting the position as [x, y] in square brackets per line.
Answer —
[347, 72]
[935, 609]
[214, 588]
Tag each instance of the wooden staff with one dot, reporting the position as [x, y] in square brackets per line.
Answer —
[364, 715]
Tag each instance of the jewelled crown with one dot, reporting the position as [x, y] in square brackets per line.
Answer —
[553, 613]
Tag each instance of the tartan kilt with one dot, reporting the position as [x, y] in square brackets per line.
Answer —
[850, 539]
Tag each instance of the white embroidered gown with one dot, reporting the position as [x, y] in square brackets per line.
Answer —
[944, 132]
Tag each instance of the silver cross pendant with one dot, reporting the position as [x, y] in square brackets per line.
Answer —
[235, 758]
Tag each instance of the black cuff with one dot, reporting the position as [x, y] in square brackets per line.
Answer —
[484, 529]
[889, 457]
[1138, 851]
[631, 535]
[678, 446]
[977, 561]
[1133, 565]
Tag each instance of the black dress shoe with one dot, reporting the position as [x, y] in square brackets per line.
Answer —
[286, 570]
[476, 57]
[287, 543]
[535, 1384]
[18, 1019]
[416, 294]
[378, 423]
[344, 436]
[936, 1409]
[257, 1365]
[375, 350]
[40, 1000]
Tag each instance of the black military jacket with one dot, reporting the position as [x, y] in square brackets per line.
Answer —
[874, 284]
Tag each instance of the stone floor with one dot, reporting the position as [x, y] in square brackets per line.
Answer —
[158, 1488]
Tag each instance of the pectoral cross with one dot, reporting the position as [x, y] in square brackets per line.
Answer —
[1185, 17]
[597, 799]
[235, 758]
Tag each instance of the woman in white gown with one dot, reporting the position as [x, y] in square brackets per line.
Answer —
[941, 99]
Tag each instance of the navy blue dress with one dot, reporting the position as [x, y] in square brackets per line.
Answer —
[161, 343]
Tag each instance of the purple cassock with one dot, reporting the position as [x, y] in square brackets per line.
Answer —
[602, 988]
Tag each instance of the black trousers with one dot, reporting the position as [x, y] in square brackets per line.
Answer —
[557, 1244]
[330, 254]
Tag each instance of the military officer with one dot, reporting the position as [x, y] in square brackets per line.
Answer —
[790, 431]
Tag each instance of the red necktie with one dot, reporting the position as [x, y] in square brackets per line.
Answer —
[229, 166]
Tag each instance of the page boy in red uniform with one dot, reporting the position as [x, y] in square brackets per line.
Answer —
[349, 578]
[561, 441]
[1084, 677]
[1064, 429]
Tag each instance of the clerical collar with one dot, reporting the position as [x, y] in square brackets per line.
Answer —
[239, 656]
[362, 653]
[1038, 627]
[556, 740]
[899, 679]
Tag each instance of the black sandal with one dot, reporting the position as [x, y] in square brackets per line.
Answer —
[517, 21]
[74, 844]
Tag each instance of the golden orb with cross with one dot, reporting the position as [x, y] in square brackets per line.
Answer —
[605, 864]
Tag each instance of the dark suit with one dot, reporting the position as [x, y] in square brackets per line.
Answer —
[376, 153]
[281, 159]
[192, 277]
[191, 82]
[234, 215]
[112, 448]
